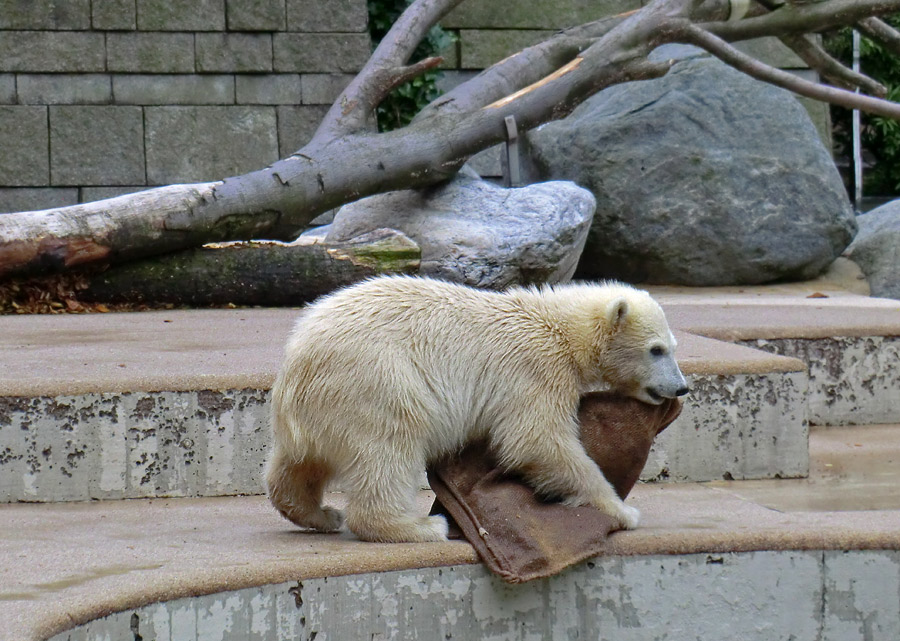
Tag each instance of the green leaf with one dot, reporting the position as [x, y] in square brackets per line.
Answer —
[880, 136]
[401, 106]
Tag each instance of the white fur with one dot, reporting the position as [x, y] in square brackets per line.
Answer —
[381, 377]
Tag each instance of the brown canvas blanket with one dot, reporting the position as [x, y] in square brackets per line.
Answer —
[521, 537]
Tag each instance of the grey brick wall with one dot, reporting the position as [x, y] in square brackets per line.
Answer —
[104, 97]
[488, 31]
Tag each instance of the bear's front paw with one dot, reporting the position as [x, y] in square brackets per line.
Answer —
[628, 517]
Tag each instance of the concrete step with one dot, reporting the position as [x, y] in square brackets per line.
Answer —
[174, 404]
[745, 417]
[136, 405]
[850, 344]
[851, 469]
[706, 561]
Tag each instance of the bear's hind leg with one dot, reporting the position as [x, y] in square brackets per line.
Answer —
[381, 508]
[296, 488]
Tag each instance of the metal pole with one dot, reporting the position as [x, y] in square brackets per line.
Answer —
[513, 172]
[857, 141]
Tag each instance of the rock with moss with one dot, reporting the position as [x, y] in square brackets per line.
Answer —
[702, 177]
[477, 233]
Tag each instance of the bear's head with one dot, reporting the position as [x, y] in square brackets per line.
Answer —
[637, 349]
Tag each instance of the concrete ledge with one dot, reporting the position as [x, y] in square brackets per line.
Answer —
[805, 595]
[745, 417]
[851, 469]
[736, 427]
[133, 445]
[772, 317]
[853, 380]
[136, 405]
[131, 554]
[144, 352]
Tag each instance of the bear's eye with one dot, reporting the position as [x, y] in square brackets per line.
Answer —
[657, 351]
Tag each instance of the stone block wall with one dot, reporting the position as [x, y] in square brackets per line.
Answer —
[489, 31]
[103, 97]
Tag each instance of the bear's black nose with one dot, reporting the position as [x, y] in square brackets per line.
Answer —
[682, 391]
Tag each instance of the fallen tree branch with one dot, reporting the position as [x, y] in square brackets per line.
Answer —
[812, 17]
[880, 31]
[829, 68]
[254, 273]
[695, 35]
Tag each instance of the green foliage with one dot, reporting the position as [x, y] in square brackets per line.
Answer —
[399, 108]
[880, 136]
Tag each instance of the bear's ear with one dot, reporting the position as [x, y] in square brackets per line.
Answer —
[616, 313]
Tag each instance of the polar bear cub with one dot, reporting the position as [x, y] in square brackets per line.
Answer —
[382, 377]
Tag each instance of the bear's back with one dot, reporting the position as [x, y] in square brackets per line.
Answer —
[391, 324]
[406, 308]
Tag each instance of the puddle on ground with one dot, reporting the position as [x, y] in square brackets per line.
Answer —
[802, 495]
[39, 590]
[851, 470]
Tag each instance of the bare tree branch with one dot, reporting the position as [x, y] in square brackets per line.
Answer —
[522, 69]
[830, 69]
[351, 112]
[509, 75]
[534, 63]
[752, 67]
[882, 32]
[621, 53]
[404, 74]
[802, 18]
[386, 80]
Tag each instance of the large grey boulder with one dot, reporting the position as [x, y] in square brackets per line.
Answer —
[876, 249]
[474, 232]
[702, 177]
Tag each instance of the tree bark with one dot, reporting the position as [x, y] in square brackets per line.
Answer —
[255, 273]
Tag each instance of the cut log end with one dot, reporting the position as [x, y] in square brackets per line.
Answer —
[22, 256]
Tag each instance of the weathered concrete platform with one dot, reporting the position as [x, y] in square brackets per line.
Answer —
[174, 404]
[851, 345]
[71, 563]
[745, 417]
[849, 342]
[852, 469]
[801, 595]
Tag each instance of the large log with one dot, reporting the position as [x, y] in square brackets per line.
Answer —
[255, 273]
